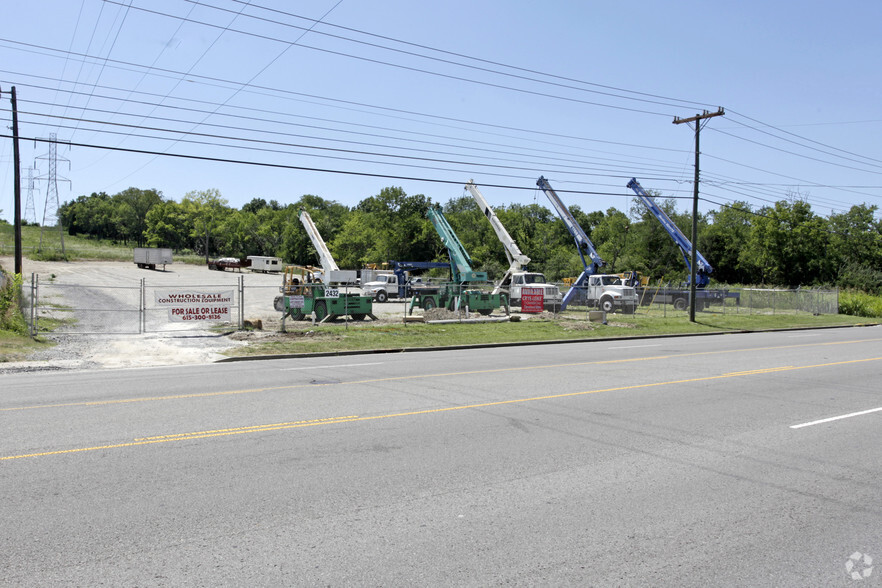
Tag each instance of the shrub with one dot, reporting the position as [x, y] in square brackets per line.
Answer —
[860, 304]
[11, 318]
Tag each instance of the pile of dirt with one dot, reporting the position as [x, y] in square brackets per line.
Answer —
[442, 314]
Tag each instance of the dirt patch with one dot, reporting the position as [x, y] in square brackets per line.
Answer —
[442, 314]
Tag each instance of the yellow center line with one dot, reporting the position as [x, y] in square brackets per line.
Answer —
[355, 418]
[426, 376]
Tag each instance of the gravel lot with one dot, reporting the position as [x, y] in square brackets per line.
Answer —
[114, 285]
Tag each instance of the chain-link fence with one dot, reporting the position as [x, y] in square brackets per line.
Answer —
[146, 307]
[142, 308]
[665, 301]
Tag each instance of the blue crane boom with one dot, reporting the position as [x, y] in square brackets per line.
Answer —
[460, 261]
[583, 243]
[703, 269]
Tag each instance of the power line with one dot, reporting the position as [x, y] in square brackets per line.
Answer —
[300, 168]
[428, 72]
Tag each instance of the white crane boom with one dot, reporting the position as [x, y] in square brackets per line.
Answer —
[517, 260]
[326, 260]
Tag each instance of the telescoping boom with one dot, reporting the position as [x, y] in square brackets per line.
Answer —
[583, 243]
[517, 261]
[703, 269]
[516, 278]
[605, 291]
[460, 260]
[326, 260]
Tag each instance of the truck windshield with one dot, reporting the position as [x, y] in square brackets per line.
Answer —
[534, 279]
[610, 280]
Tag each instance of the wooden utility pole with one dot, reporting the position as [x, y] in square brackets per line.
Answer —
[16, 183]
[693, 261]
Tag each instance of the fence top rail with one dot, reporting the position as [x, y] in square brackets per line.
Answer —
[54, 285]
[814, 290]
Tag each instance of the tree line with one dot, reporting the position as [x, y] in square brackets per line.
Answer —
[784, 244]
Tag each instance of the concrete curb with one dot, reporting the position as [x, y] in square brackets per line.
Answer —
[523, 343]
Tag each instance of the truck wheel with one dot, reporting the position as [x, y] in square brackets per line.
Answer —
[321, 310]
[680, 304]
[428, 303]
[485, 311]
[382, 296]
[607, 304]
[358, 317]
[298, 316]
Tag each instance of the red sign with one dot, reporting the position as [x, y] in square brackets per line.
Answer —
[532, 300]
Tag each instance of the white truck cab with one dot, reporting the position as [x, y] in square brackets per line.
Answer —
[519, 280]
[382, 287]
[607, 292]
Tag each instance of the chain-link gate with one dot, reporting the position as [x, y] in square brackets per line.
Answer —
[91, 309]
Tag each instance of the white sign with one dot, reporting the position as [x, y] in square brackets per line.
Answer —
[191, 297]
[191, 306]
[199, 313]
[296, 301]
[332, 293]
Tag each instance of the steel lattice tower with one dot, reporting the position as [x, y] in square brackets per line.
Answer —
[30, 214]
[50, 210]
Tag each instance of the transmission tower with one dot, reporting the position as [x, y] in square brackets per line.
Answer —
[30, 215]
[50, 210]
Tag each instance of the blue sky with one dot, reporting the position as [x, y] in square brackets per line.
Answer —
[429, 95]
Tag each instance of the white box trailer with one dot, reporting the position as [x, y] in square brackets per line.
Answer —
[150, 257]
[260, 263]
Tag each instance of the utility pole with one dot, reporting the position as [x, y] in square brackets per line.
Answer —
[693, 261]
[16, 175]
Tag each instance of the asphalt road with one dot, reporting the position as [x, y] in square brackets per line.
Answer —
[693, 461]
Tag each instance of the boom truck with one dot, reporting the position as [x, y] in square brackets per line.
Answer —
[591, 288]
[305, 290]
[460, 293]
[679, 298]
[516, 277]
[398, 283]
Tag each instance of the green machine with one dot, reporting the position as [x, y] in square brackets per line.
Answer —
[462, 292]
[303, 294]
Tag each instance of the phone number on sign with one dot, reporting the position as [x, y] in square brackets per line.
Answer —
[197, 313]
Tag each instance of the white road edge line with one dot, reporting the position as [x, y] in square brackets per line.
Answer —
[324, 367]
[836, 418]
[635, 346]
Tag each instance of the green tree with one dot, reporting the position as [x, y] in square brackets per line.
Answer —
[130, 212]
[388, 226]
[611, 241]
[788, 245]
[169, 225]
[724, 242]
[856, 248]
[205, 211]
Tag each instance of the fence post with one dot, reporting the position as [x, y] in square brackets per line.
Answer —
[241, 302]
[33, 305]
[142, 308]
